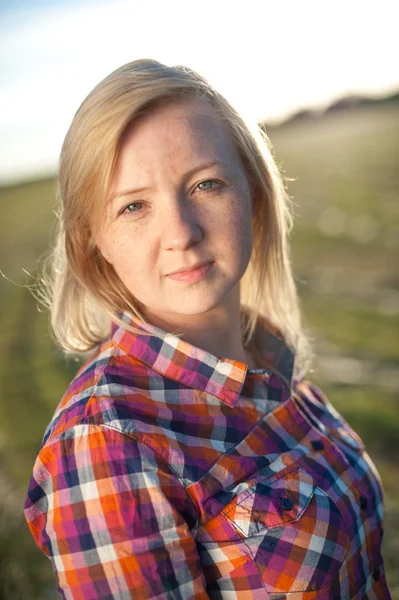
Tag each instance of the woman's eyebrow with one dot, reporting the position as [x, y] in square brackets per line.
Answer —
[186, 176]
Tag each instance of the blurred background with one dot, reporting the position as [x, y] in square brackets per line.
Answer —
[323, 79]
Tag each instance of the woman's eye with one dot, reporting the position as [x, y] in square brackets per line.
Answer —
[208, 185]
[132, 207]
[204, 186]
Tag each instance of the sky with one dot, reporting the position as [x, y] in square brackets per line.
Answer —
[269, 57]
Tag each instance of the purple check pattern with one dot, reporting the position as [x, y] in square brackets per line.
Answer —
[167, 473]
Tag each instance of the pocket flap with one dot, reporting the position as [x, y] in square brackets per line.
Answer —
[273, 502]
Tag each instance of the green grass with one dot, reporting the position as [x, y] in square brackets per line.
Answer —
[347, 162]
[357, 328]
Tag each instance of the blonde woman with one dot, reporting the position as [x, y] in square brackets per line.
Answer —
[190, 458]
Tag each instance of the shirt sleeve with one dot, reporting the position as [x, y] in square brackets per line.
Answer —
[113, 518]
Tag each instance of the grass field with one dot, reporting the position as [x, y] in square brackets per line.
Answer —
[345, 185]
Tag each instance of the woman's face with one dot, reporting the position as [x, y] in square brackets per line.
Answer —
[179, 196]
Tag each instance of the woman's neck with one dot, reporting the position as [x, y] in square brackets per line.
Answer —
[217, 331]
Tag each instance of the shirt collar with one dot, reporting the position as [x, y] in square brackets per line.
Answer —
[179, 360]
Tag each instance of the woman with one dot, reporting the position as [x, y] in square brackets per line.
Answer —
[190, 458]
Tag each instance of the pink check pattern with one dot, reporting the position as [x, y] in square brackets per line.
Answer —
[167, 473]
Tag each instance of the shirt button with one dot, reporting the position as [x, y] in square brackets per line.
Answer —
[317, 444]
[363, 502]
[286, 503]
[376, 574]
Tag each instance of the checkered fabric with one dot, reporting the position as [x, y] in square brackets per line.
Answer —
[167, 473]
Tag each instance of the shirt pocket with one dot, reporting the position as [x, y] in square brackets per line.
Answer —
[294, 531]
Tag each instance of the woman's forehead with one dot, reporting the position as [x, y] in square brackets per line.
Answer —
[183, 128]
[183, 108]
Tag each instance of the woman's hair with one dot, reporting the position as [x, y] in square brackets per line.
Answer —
[82, 289]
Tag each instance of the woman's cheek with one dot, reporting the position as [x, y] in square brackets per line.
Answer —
[240, 228]
[123, 256]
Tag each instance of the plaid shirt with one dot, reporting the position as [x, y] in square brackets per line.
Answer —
[169, 473]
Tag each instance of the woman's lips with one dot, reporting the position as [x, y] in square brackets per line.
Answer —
[192, 276]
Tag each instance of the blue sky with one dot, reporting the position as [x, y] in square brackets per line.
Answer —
[270, 57]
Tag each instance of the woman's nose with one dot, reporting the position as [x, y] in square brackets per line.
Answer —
[179, 226]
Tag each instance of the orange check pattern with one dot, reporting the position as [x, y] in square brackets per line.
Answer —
[167, 473]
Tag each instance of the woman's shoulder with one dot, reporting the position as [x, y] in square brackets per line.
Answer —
[90, 398]
[319, 408]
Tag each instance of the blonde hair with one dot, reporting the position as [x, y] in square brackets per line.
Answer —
[82, 289]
